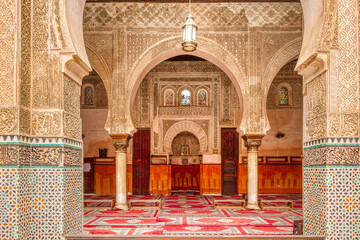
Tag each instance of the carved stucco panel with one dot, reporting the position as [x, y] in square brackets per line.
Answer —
[8, 120]
[72, 126]
[8, 31]
[348, 44]
[71, 96]
[344, 125]
[46, 123]
[25, 121]
[172, 15]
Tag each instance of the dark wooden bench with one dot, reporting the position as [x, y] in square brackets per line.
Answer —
[229, 207]
[288, 206]
[111, 201]
[132, 207]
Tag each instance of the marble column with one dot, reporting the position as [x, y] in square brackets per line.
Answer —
[121, 142]
[252, 143]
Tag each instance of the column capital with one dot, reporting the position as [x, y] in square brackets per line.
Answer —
[120, 141]
[252, 141]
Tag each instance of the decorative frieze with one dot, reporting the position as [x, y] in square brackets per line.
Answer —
[25, 151]
[332, 151]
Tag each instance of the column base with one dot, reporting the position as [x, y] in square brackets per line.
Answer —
[253, 206]
[122, 206]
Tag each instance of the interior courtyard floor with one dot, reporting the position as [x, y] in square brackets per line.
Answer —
[191, 215]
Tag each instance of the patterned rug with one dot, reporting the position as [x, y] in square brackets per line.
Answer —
[191, 215]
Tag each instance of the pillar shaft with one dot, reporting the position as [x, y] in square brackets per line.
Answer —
[252, 143]
[121, 143]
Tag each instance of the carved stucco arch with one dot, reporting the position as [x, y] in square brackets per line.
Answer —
[185, 126]
[171, 47]
[99, 64]
[285, 54]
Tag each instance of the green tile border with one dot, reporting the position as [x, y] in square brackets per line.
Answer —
[330, 166]
[334, 145]
[50, 167]
[40, 145]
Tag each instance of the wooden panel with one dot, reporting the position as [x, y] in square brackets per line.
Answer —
[160, 176]
[277, 160]
[261, 160]
[141, 162]
[105, 179]
[274, 179]
[229, 160]
[89, 179]
[185, 177]
[210, 179]
[129, 178]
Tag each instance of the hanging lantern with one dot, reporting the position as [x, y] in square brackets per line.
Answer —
[189, 43]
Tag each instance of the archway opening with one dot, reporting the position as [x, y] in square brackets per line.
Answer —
[280, 163]
[96, 140]
[185, 163]
[189, 95]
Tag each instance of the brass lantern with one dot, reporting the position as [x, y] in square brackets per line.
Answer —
[189, 43]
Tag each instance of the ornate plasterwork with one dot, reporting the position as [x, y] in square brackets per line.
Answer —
[185, 126]
[8, 120]
[46, 123]
[71, 96]
[172, 15]
[316, 119]
[72, 126]
[8, 32]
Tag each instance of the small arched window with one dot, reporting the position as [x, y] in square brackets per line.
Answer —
[283, 96]
[185, 97]
[169, 97]
[202, 97]
[89, 96]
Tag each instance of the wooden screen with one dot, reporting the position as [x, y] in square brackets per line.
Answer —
[185, 177]
[229, 160]
[88, 175]
[141, 162]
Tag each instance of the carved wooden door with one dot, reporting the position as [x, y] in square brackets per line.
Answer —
[229, 160]
[141, 162]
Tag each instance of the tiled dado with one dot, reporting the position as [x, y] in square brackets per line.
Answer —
[40, 202]
[332, 201]
[20, 150]
[332, 151]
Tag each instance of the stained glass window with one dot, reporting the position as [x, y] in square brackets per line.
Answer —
[169, 97]
[185, 97]
[283, 96]
[202, 97]
[88, 95]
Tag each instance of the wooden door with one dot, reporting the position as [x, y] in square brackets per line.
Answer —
[88, 175]
[141, 162]
[229, 160]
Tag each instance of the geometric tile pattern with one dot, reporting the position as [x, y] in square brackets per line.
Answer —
[332, 201]
[72, 201]
[40, 202]
[314, 201]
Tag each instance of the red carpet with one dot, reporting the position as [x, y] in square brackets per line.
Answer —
[191, 215]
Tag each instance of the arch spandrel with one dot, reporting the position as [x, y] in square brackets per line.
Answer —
[285, 54]
[171, 47]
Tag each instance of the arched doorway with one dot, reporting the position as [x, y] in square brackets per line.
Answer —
[186, 94]
[185, 163]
